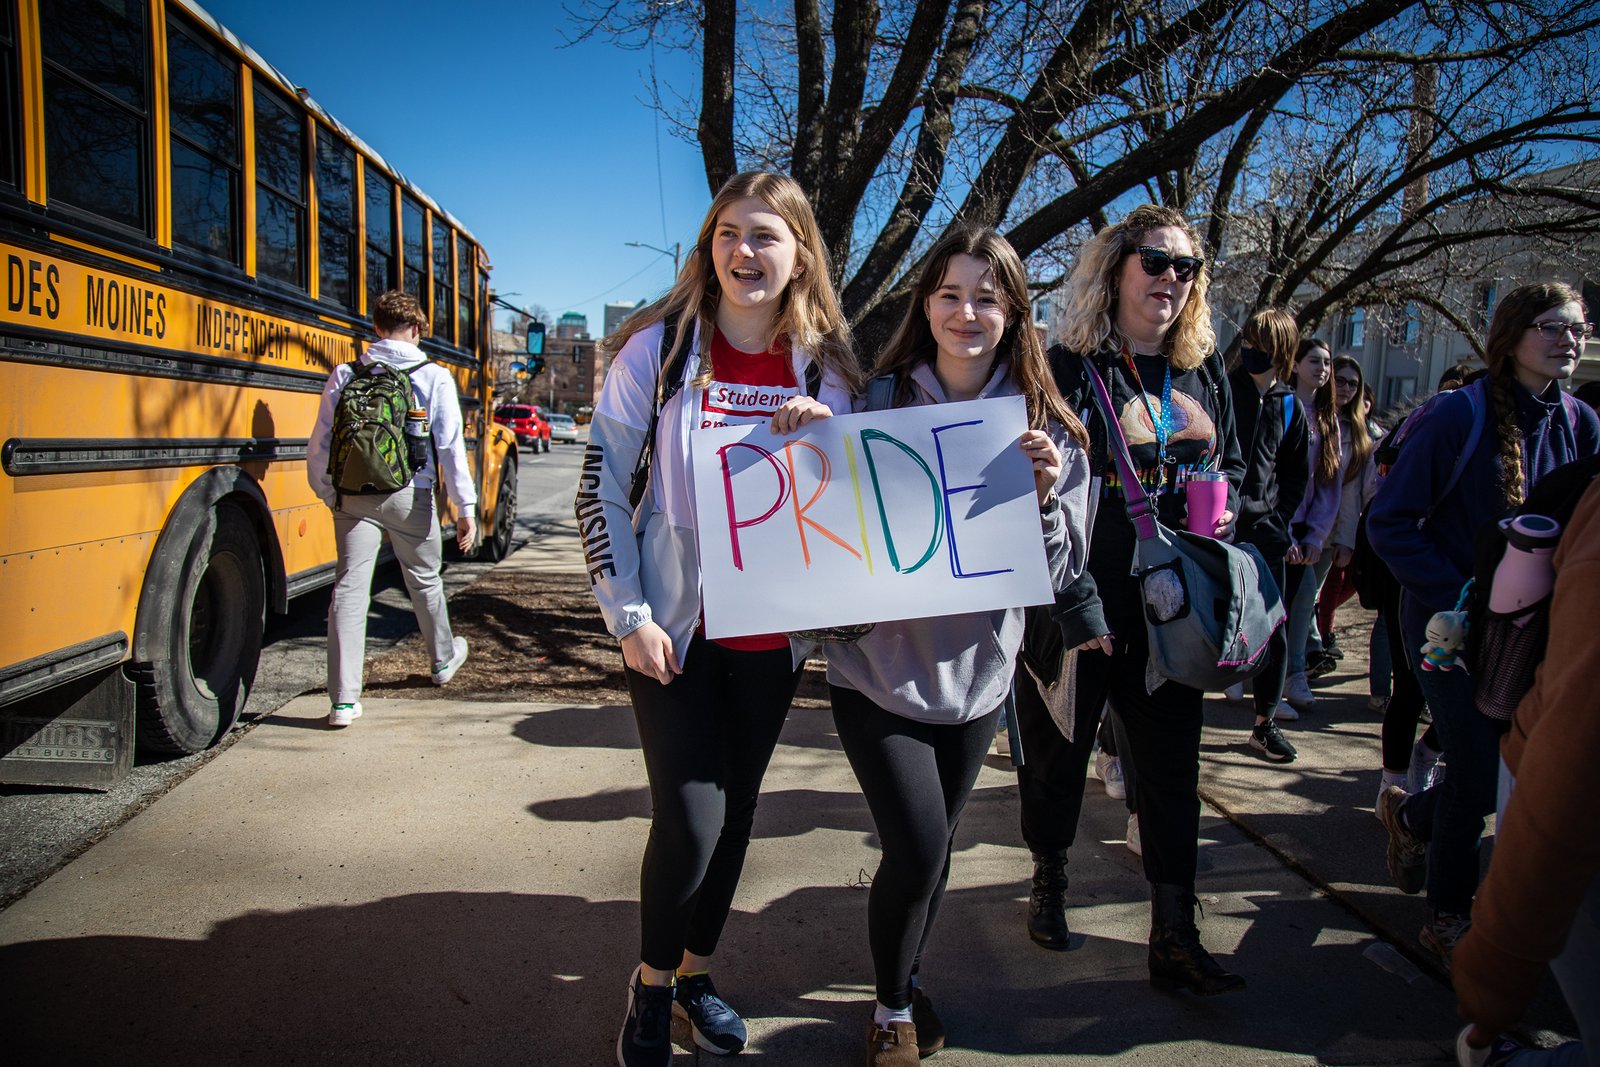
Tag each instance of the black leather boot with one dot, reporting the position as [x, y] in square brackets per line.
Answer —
[1047, 906]
[1177, 959]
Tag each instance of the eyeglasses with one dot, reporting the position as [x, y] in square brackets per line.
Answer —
[1350, 383]
[1155, 262]
[1555, 329]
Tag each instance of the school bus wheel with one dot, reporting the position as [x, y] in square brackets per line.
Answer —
[503, 526]
[203, 634]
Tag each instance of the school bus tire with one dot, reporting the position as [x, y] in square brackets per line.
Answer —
[204, 637]
[503, 524]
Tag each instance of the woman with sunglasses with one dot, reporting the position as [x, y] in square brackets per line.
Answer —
[1136, 308]
[1429, 541]
[1355, 488]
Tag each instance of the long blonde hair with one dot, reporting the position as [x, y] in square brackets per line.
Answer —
[1091, 296]
[808, 310]
[1352, 413]
[913, 343]
[1514, 315]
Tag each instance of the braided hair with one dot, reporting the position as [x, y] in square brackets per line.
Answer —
[1512, 318]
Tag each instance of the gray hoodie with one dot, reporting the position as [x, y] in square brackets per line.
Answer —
[954, 668]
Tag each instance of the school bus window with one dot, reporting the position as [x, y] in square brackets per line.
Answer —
[204, 105]
[380, 235]
[336, 219]
[280, 188]
[444, 289]
[8, 104]
[416, 248]
[96, 106]
[464, 336]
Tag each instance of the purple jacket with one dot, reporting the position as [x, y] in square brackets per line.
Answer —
[1314, 518]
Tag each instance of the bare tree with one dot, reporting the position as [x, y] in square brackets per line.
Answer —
[1290, 130]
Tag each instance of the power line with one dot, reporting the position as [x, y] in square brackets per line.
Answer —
[608, 292]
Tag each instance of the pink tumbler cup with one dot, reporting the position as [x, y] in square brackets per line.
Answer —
[1206, 496]
[1526, 573]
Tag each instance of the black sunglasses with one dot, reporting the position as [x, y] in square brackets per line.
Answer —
[1155, 261]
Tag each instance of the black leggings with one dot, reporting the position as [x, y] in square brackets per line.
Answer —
[1400, 718]
[916, 777]
[707, 739]
[1267, 687]
[1050, 782]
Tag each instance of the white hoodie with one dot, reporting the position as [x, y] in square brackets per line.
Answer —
[437, 390]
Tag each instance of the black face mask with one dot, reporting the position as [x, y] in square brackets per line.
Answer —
[1254, 360]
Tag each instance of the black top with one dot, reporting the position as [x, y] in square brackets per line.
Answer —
[1277, 467]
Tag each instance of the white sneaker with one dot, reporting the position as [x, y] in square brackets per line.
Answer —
[1108, 769]
[443, 672]
[1426, 770]
[344, 714]
[1234, 693]
[1286, 712]
[1133, 834]
[1298, 692]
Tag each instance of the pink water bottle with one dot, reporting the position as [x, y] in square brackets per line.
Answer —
[1526, 573]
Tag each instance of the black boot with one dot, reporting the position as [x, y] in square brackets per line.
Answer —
[1047, 906]
[1177, 959]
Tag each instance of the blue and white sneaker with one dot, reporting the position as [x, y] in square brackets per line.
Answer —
[717, 1028]
[646, 1038]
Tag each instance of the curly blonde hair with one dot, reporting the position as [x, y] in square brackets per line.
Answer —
[808, 311]
[913, 343]
[1091, 298]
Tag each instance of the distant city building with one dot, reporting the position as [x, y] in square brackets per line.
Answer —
[572, 325]
[616, 314]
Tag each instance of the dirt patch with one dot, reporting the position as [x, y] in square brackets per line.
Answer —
[535, 637]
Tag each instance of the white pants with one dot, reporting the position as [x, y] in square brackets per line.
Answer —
[359, 524]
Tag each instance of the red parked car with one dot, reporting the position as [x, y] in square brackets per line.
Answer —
[527, 422]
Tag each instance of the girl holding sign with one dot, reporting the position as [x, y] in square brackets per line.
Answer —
[756, 315]
[916, 702]
[1136, 306]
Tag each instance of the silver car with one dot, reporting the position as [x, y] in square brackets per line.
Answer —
[563, 428]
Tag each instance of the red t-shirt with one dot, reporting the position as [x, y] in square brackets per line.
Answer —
[746, 388]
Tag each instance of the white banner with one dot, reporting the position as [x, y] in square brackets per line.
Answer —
[884, 515]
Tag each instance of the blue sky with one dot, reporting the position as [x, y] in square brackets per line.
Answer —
[546, 153]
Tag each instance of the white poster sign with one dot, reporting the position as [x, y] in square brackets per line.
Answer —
[884, 515]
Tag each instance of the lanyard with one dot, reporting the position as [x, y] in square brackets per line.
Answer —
[1161, 426]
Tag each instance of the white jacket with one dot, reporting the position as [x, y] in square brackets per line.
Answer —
[645, 567]
[437, 391]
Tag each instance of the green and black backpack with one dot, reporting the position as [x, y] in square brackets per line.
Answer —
[371, 453]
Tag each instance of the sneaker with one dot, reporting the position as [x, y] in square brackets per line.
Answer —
[1268, 740]
[1297, 693]
[1441, 934]
[1134, 844]
[1321, 665]
[1498, 1054]
[1426, 769]
[443, 672]
[894, 1045]
[1285, 713]
[717, 1028]
[930, 1030]
[1002, 742]
[1234, 693]
[1408, 854]
[646, 1038]
[344, 714]
[1108, 769]
[1330, 646]
[1377, 705]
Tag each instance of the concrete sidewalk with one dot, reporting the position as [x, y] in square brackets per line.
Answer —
[455, 882]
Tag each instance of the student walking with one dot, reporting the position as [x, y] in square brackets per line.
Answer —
[1308, 559]
[1273, 432]
[1428, 537]
[1357, 480]
[1136, 306]
[406, 515]
[755, 310]
[916, 702]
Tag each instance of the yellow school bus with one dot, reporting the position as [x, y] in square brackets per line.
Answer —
[190, 245]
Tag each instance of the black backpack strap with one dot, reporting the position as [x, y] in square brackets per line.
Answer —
[880, 393]
[669, 379]
[813, 379]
